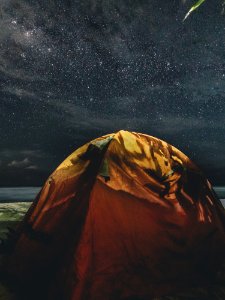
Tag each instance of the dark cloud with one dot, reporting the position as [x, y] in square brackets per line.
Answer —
[73, 70]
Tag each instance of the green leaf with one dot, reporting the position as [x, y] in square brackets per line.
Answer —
[194, 7]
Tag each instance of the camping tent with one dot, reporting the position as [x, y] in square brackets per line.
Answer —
[126, 216]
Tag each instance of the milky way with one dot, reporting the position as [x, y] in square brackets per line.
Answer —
[73, 70]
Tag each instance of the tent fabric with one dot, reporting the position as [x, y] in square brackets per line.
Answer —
[126, 216]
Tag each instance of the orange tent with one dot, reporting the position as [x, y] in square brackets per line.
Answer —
[126, 216]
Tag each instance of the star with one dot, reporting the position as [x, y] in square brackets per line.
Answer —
[69, 75]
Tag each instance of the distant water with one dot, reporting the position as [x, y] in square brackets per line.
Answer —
[17, 194]
[220, 190]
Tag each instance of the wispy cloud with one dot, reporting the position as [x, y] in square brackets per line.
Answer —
[32, 167]
[23, 159]
[19, 163]
[9, 153]
[23, 164]
[20, 92]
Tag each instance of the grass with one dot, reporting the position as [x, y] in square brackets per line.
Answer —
[10, 215]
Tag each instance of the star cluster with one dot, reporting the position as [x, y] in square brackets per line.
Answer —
[73, 70]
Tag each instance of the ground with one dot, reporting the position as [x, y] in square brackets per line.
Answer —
[10, 214]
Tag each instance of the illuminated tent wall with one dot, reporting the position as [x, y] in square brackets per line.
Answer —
[126, 216]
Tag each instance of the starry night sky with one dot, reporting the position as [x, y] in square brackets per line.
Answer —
[71, 71]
